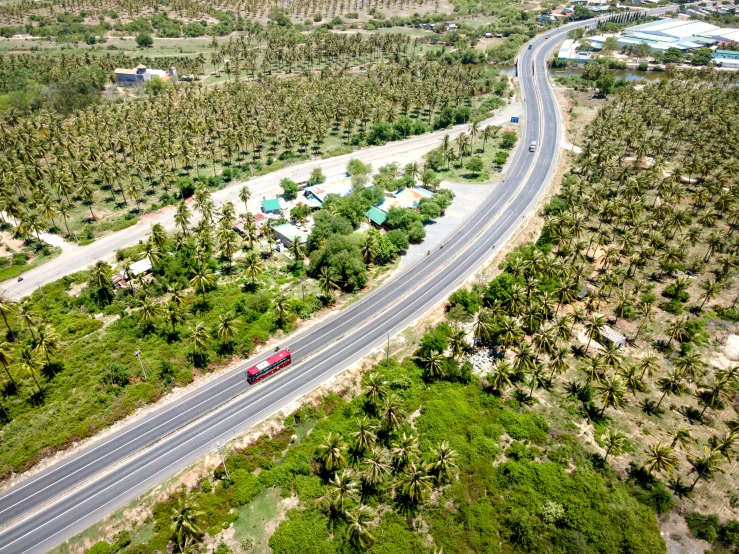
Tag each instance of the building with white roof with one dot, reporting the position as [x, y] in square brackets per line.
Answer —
[677, 33]
[139, 75]
[288, 234]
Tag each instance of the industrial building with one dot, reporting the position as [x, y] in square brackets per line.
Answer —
[139, 75]
[667, 33]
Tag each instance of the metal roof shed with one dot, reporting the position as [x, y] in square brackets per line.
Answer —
[376, 216]
[289, 234]
[271, 206]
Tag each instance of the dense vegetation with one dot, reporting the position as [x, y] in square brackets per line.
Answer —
[393, 470]
[429, 457]
[212, 297]
[118, 155]
[647, 222]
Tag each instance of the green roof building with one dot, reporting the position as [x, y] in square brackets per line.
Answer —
[376, 216]
[271, 206]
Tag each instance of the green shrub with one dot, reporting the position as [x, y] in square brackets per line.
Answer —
[303, 531]
[705, 527]
[101, 547]
[247, 486]
[525, 427]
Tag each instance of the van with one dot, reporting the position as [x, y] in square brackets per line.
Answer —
[532, 147]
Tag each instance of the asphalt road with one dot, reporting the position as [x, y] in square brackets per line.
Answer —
[36, 516]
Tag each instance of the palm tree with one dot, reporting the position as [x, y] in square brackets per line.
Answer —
[632, 380]
[672, 383]
[594, 327]
[442, 462]
[148, 312]
[705, 465]
[158, 235]
[680, 436]
[182, 218]
[660, 458]
[6, 359]
[203, 278]
[488, 133]
[28, 364]
[244, 196]
[536, 378]
[227, 328]
[403, 451]
[359, 529]
[176, 295]
[327, 281]
[375, 388]
[649, 363]
[457, 342]
[713, 394]
[185, 521]
[253, 265]
[281, 308]
[173, 314]
[594, 369]
[296, 250]
[724, 444]
[678, 330]
[376, 467]
[433, 364]
[99, 278]
[332, 452]
[391, 416]
[499, 376]
[482, 328]
[152, 252]
[711, 288]
[7, 307]
[48, 342]
[614, 442]
[199, 338]
[414, 483]
[342, 488]
[690, 364]
[368, 246]
[364, 436]
[612, 393]
[28, 317]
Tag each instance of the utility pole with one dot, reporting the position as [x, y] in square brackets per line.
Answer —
[42, 294]
[138, 357]
[223, 460]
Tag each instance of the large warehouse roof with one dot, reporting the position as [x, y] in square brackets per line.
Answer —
[673, 33]
[673, 28]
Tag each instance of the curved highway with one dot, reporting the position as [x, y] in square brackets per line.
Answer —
[66, 498]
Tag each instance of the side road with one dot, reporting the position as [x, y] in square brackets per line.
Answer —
[76, 259]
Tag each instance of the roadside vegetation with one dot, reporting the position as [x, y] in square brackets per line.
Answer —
[441, 451]
[560, 440]
[474, 156]
[421, 460]
[69, 355]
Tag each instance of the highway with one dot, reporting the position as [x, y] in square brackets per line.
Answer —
[66, 498]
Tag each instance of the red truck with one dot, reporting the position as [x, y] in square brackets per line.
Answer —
[271, 365]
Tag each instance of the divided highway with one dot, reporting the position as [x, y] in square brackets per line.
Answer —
[66, 498]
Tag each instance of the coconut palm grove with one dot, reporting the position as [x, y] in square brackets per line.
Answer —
[578, 397]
